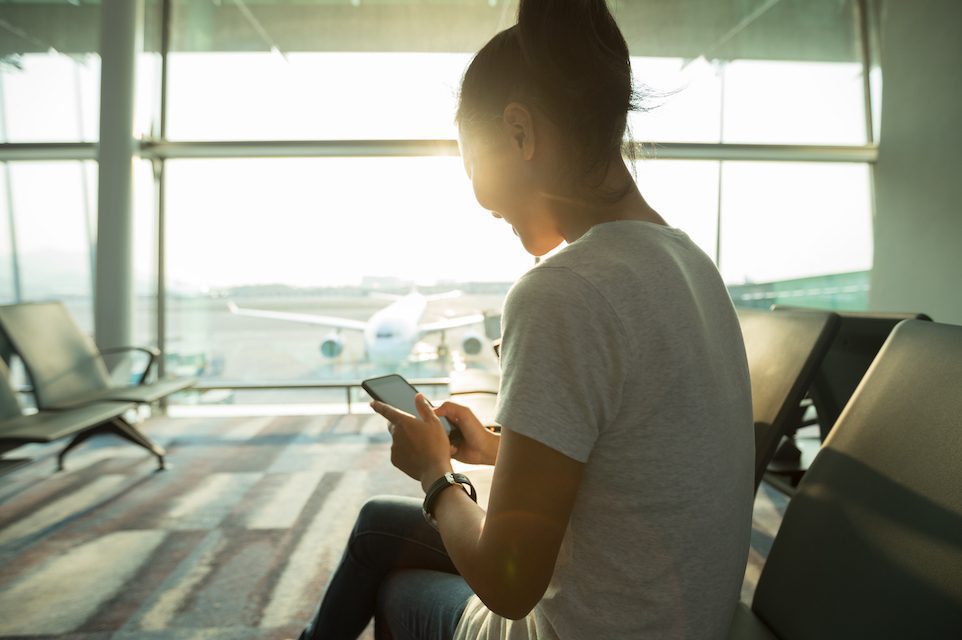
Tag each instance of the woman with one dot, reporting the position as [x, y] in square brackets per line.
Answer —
[621, 499]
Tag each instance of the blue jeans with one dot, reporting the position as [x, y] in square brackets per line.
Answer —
[395, 569]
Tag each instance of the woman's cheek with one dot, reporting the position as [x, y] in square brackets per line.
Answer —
[484, 194]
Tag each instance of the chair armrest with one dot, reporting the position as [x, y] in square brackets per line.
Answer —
[153, 354]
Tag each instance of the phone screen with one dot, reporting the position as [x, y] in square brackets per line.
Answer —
[398, 392]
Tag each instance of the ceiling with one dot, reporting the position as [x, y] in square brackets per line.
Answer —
[809, 30]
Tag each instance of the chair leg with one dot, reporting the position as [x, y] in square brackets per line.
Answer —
[129, 432]
[78, 439]
[123, 429]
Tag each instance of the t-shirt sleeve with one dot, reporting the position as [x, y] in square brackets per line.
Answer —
[564, 361]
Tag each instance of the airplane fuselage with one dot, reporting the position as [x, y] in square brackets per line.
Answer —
[390, 334]
[393, 331]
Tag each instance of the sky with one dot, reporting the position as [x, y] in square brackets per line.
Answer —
[323, 222]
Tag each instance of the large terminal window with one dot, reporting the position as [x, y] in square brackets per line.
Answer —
[300, 162]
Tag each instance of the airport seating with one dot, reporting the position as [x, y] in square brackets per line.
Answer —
[784, 350]
[17, 429]
[871, 543]
[860, 337]
[65, 367]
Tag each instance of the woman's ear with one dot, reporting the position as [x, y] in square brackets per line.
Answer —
[520, 127]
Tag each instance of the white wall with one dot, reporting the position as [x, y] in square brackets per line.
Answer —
[918, 226]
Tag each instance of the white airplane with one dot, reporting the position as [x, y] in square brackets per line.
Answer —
[390, 334]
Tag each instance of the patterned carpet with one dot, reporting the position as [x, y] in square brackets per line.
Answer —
[235, 541]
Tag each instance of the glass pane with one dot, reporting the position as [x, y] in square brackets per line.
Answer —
[343, 238]
[747, 72]
[686, 101]
[783, 221]
[49, 71]
[784, 72]
[793, 103]
[685, 193]
[55, 231]
[335, 96]
[323, 70]
[812, 30]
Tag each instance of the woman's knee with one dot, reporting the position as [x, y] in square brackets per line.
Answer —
[387, 514]
[391, 533]
[385, 526]
[420, 604]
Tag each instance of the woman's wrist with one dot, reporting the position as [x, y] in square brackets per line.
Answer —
[433, 473]
[493, 442]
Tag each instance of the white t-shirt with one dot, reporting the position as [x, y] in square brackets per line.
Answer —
[623, 351]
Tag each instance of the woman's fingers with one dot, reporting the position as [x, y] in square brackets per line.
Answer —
[451, 410]
[387, 411]
[456, 413]
[425, 409]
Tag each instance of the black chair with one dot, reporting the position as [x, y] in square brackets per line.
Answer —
[65, 367]
[17, 429]
[860, 337]
[871, 544]
[784, 351]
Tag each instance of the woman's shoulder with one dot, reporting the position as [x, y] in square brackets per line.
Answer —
[560, 294]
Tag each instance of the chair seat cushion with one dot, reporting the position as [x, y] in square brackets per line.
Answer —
[48, 426]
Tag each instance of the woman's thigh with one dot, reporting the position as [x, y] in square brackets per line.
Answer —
[420, 604]
[391, 534]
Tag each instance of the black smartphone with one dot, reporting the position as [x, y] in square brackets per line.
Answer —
[399, 393]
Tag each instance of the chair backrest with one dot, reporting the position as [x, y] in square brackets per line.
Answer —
[9, 405]
[64, 365]
[871, 544]
[860, 336]
[859, 339]
[784, 350]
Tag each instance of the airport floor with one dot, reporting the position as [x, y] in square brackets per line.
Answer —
[236, 540]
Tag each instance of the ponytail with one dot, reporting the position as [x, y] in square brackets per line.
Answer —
[568, 58]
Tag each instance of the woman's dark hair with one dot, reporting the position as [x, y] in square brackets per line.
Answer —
[568, 59]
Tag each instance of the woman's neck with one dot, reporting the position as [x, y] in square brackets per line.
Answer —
[577, 214]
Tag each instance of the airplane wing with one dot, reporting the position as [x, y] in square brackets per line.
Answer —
[304, 318]
[451, 323]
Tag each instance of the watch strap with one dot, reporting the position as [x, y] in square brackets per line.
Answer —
[439, 485]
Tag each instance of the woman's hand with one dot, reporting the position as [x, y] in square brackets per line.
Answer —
[420, 447]
[477, 445]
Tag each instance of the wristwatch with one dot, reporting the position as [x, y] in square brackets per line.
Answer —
[442, 483]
